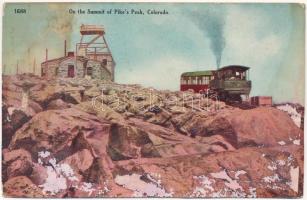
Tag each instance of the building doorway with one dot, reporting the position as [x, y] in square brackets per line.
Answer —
[71, 71]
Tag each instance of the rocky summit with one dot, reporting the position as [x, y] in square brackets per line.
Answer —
[90, 138]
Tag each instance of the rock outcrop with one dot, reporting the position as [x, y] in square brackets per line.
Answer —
[89, 138]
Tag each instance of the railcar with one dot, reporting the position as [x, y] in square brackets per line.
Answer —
[197, 81]
[229, 83]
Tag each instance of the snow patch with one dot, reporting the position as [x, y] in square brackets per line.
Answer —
[232, 184]
[281, 162]
[281, 143]
[54, 183]
[238, 173]
[272, 167]
[295, 116]
[10, 110]
[87, 187]
[141, 188]
[297, 142]
[271, 179]
[62, 176]
[205, 186]
[43, 154]
[294, 174]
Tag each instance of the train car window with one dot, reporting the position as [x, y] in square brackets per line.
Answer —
[244, 75]
[207, 80]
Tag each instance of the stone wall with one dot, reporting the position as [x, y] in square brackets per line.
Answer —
[110, 64]
[49, 69]
[98, 71]
[63, 68]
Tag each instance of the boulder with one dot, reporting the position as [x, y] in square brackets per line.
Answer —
[39, 174]
[259, 126]
[57, 105]
[263, 126]
[125, 142]
[161, 118]
[80, 161]
[16, 163]
[21, 187]
[246, 172]
[61, 132]
[12, 120]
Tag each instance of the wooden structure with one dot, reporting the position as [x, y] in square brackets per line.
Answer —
[94, 46]
[261, 101]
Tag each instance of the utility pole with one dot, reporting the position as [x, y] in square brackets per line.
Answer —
[17, 68]
[34, 65]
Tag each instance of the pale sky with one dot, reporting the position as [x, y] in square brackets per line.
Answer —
[153, 50]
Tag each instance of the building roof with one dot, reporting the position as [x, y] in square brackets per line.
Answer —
[198, 73]
[234, 67]
[64, 58]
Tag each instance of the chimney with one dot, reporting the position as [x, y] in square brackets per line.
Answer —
[64, 48]
[71, 54]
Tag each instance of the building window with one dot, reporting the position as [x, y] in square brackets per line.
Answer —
[56, 72]
[89, 71]
[104, 61]
[43, 72]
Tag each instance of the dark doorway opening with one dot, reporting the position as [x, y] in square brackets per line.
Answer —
[71, 71]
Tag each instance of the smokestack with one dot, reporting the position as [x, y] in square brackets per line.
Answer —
[64, 48]
[46, 54]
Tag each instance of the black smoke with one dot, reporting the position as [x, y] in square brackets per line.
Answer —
[211, 23]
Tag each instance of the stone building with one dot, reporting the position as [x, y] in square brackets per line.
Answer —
[92, 58]
[70, 66]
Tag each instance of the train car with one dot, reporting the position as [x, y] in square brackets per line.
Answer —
[230, 82]
[197, 81]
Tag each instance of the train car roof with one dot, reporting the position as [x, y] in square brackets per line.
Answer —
[234, 66]
[198, 73]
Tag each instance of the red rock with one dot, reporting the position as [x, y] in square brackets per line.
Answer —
[16, 163]
[21, 186]
[19, 168]
[80, 161]
[58, 131]
[39, 174]
[246, 168]
[57, 105]
[266, 126]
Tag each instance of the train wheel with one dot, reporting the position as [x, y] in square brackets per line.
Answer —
[223, 97]
[236, 98]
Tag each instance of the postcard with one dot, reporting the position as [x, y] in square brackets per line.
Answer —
[185, 100]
